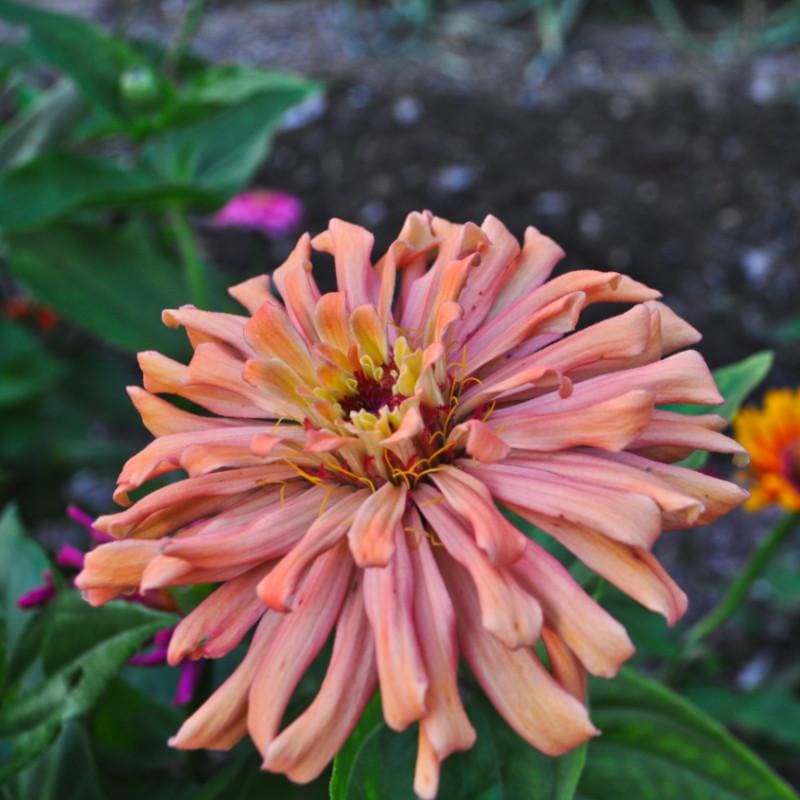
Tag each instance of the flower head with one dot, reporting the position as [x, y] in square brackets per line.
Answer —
[270, 212]
[345, 475]
[771, 436]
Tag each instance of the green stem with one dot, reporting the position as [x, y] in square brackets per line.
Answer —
[193, 266]
[186, 33]
[741, 586]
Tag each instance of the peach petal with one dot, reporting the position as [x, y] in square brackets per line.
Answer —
[539, 256]
[162, 418]
[480, 441]
[295, 281]
[269, 535]
[369, 333]
[596, 638]
[629, 518]
[445, 725]
[507, 611]
[331, 321]
[116, 564]
[252, 293]
[631, 569]
[484, 281]
[520, 688]
[217, 624]
[222, 720]
[299, 637]
[304, 748]
[277, 589]
[351, 248]
[609, 425]
[718, 497]
[208, 326]
[372, 533]
[565, 667]
[468, 496]
[272, 336]
[389, 602]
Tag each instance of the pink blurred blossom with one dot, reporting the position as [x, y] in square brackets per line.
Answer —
[272, 213]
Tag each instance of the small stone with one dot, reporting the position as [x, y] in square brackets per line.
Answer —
[590, 224]
[550, 203]
[757, 263]
[407, 110]
[373, 213]
[454, 178]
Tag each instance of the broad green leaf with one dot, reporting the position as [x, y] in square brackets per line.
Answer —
[111, 281]
[22, 563]
[789, 332]
[66, 770]
[735, 382]
[57, 184]
[656, 745]
[755, 712]
[221, 152]
[26, 369]
[46, 122]
[95, 61]
[84, 648]
[378, 764]
[244, 780]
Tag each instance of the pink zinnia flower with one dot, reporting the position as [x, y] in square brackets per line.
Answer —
[348, 473]
[270, 212]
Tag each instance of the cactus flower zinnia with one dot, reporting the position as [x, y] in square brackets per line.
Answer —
[346, 473]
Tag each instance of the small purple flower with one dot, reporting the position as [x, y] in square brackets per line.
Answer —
[39, 595]
[272, 213]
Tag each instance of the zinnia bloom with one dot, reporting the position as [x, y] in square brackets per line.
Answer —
[345, 476]
[270, 212]
[771, 435]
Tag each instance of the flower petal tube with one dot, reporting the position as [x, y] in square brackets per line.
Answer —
[345, 470]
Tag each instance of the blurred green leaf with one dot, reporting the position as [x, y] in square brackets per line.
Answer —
[657, 745]
[220, 152]
[45, 122]
[377, 762]
[26, 369]
[95, 61]
[789, 331]
[112, 281]
[66, 770]
[22, 563]
[756, 712]
[650, 632]
[59, 183]
[83, 649]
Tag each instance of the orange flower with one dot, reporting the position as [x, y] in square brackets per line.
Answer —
[771, 436]
[346, 474]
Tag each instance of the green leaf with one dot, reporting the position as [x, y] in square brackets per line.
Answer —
[22, 563]
[83, 649]
[221, 152]
[755, 712]
[26, 369]
[657, 745]
[95, 61]
[45, 122]
[735, 382]
[66, 770]
[378, 764]
[111, 281]
[59, 183]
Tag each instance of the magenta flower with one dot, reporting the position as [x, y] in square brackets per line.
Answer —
[272, 213]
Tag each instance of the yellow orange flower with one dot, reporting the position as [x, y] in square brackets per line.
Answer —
[771, 436]
[345, 475]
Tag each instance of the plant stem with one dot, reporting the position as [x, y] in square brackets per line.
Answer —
[741, 586]
[189, 26]
[193, 267]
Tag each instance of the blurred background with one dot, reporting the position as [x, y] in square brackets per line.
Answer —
[661, 139]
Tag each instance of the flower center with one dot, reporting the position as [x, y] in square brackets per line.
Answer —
[373, 392]
[790, 463]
